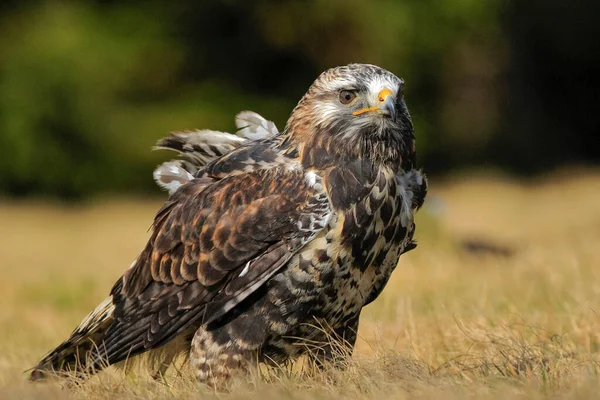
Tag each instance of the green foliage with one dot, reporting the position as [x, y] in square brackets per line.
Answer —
[68, 69]
[87, 89]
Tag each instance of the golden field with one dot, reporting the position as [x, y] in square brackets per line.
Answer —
[499, 300]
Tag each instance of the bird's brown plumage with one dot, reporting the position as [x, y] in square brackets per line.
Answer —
[298, 229]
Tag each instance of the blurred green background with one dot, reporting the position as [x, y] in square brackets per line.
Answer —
[87, 87]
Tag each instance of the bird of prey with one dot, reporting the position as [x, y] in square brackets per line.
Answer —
[274, 244]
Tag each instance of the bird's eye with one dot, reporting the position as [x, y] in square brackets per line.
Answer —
[347, 96]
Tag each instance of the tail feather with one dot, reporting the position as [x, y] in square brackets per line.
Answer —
[171, 175]
[73, 354]
[98, 342]
[202, 146]
[253, 126]
[117, 345]
[198, 148]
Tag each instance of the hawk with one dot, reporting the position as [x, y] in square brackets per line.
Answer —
[274, 244]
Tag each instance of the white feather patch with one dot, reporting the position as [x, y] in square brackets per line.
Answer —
[245, 270]
[170, 176]
[207, 136]
[311, 178]
[102, 313]
[253, 126]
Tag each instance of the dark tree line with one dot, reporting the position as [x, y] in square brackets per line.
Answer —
[87, 87]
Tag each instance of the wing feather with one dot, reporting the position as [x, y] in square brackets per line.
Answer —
[207, 234]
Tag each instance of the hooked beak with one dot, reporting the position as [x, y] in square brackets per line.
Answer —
[386, 105]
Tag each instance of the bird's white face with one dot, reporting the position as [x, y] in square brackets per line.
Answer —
[354, 111]
[357, 98]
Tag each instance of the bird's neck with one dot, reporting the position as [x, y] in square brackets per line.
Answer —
[321, 150]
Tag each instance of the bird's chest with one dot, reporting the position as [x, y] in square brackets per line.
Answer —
[347, 265]
[365, 240]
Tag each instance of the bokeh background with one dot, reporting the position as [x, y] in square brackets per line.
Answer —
[87, 87]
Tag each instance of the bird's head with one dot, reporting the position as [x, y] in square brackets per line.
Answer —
[353, 111]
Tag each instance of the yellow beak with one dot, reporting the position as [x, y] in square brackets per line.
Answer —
[385, 105]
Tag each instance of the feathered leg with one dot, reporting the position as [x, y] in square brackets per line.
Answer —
[216, 357]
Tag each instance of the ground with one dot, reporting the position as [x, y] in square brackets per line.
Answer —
[500, 298]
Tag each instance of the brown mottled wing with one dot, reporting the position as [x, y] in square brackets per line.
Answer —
[213, 244]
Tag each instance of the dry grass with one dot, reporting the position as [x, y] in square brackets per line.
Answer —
[500, 299]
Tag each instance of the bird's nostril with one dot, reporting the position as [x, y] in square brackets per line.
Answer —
[383, 95]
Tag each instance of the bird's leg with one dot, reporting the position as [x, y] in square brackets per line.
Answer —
[339, 346]
[216, 358]
[159, 373]
[161, 359]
